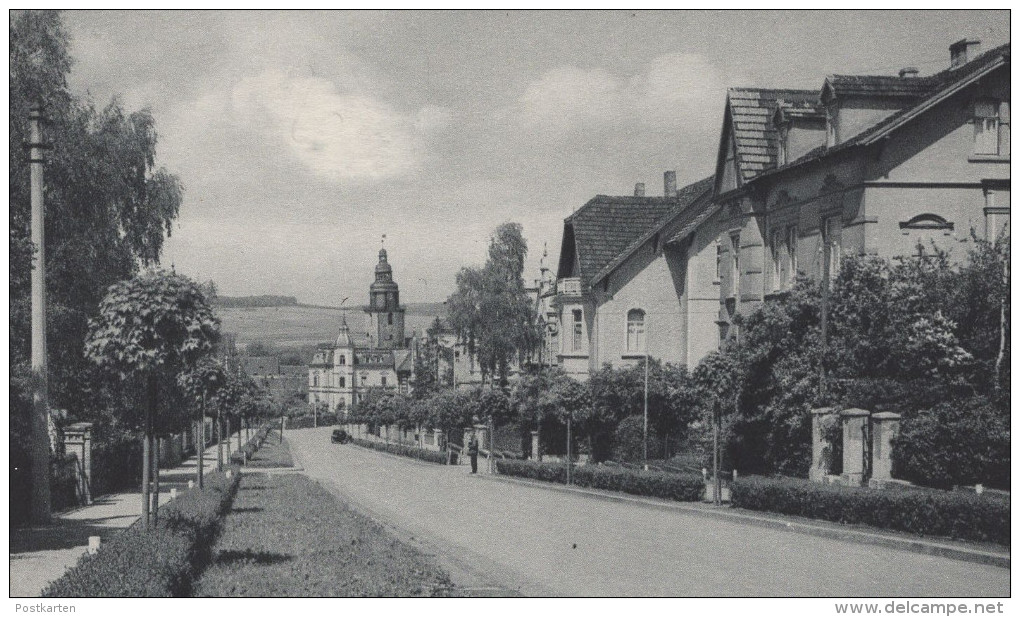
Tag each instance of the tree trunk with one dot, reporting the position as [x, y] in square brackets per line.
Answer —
[219, 442]
[146, 467]
[200, 443]
[154, 467]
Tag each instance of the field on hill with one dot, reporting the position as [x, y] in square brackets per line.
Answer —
[302, 325]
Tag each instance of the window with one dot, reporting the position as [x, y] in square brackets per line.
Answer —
[735, 265]
[773, 274]
[382, 380]
[342, 360]
[578, 332]
[343, 382]
[791, 246]
[315, 380]
[991, 127]
[364, 379]
[389, 319]
[832, 233]
[831, 136]
[635, 330]
[718, 260]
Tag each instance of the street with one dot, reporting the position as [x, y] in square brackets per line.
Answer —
[544, 542]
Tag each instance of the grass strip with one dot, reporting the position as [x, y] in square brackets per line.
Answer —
[272, 453]
[289, 537]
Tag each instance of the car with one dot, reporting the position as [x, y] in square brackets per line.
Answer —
[340, 436]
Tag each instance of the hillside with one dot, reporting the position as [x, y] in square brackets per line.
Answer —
[304, 325]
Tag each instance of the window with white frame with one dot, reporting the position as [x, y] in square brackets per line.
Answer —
[577, 340]
[791, 246]
[832, 232]
[635, 330]
[735, 265]
[986, 127]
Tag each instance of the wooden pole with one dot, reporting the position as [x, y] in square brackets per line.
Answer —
[570, 458]
[146, 467]
[200, 442]
[716, 487]
[41, 505]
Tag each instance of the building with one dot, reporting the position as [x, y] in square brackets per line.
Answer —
[341, 372]
[284, 383]
[636, 278]
[867, 164]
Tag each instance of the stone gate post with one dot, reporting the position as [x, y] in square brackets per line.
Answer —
[819, 464]
[853, 445]
[78, 441]
[535, 453]
[885, 425]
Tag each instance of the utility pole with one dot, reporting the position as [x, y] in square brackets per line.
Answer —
[570, 457]
[716, 421]
[40, 395]
[645, 431]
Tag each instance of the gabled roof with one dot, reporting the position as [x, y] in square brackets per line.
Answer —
[604, 227]
[749, 114]
[693, 197]
[753, 125]
[879, 85]
[403, 361]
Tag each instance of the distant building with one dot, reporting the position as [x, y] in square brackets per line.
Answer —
[342, 372]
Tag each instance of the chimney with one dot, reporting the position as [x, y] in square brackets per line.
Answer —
[908, 72]
[963, 51]
[669, 184]
[639, 189]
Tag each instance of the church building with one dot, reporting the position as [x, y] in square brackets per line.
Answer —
[342, 372]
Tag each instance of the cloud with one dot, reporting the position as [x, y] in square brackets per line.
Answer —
[568, 96]
[672, 88]
[337, 136]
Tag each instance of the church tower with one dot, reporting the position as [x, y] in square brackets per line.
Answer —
[385, 315]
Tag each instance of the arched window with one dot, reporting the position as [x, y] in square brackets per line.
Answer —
[635, 330]
[927, 221]
[342, 360]
[315, 380]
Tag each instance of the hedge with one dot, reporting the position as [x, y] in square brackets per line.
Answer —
[432, 456]
[677, 487]
[162, 562]
[926, 512]
[311, 421]
[252, 446]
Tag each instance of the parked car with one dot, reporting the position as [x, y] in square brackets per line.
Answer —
[340, 436]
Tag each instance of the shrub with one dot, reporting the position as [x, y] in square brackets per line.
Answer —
[116, 465]
[955, 443]
[310, 421]
[677, 487]
[432, 456]
[926, 512]
[162, 562]
[628, 443]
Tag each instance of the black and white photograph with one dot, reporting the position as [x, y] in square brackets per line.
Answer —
[706, 306]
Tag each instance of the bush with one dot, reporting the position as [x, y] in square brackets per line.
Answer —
[677, 487]
[116, 465]
[959, 515]
[63, 481]
[955, 443]
[628, 443]
[250, 448]
[310, 421]
[162, 562]
[432, 456]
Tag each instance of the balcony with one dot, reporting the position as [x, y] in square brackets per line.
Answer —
[568, 287]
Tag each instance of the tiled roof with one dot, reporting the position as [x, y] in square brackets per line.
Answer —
[946, 82]
[751, 111]
[605, 226]
[881, 85]
[689, 198]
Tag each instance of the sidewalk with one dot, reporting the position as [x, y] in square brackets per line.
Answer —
[40, 555]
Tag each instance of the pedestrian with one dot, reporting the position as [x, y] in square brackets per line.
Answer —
[473, 453]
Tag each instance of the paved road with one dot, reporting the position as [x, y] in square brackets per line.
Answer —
[524, 537]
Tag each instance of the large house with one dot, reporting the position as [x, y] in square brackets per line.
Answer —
[342, 372]
[635, 280]
[868, 164]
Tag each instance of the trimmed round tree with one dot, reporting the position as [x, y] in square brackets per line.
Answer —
[154, 323]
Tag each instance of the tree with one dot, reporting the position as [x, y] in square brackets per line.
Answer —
[108, 209]
[151, 324]
[202, 383]
[491, 310]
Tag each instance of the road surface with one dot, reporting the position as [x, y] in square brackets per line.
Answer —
[542, 542]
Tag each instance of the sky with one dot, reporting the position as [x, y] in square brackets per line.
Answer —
[302, 137]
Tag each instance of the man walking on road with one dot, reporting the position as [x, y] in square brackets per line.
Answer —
[473, 453]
